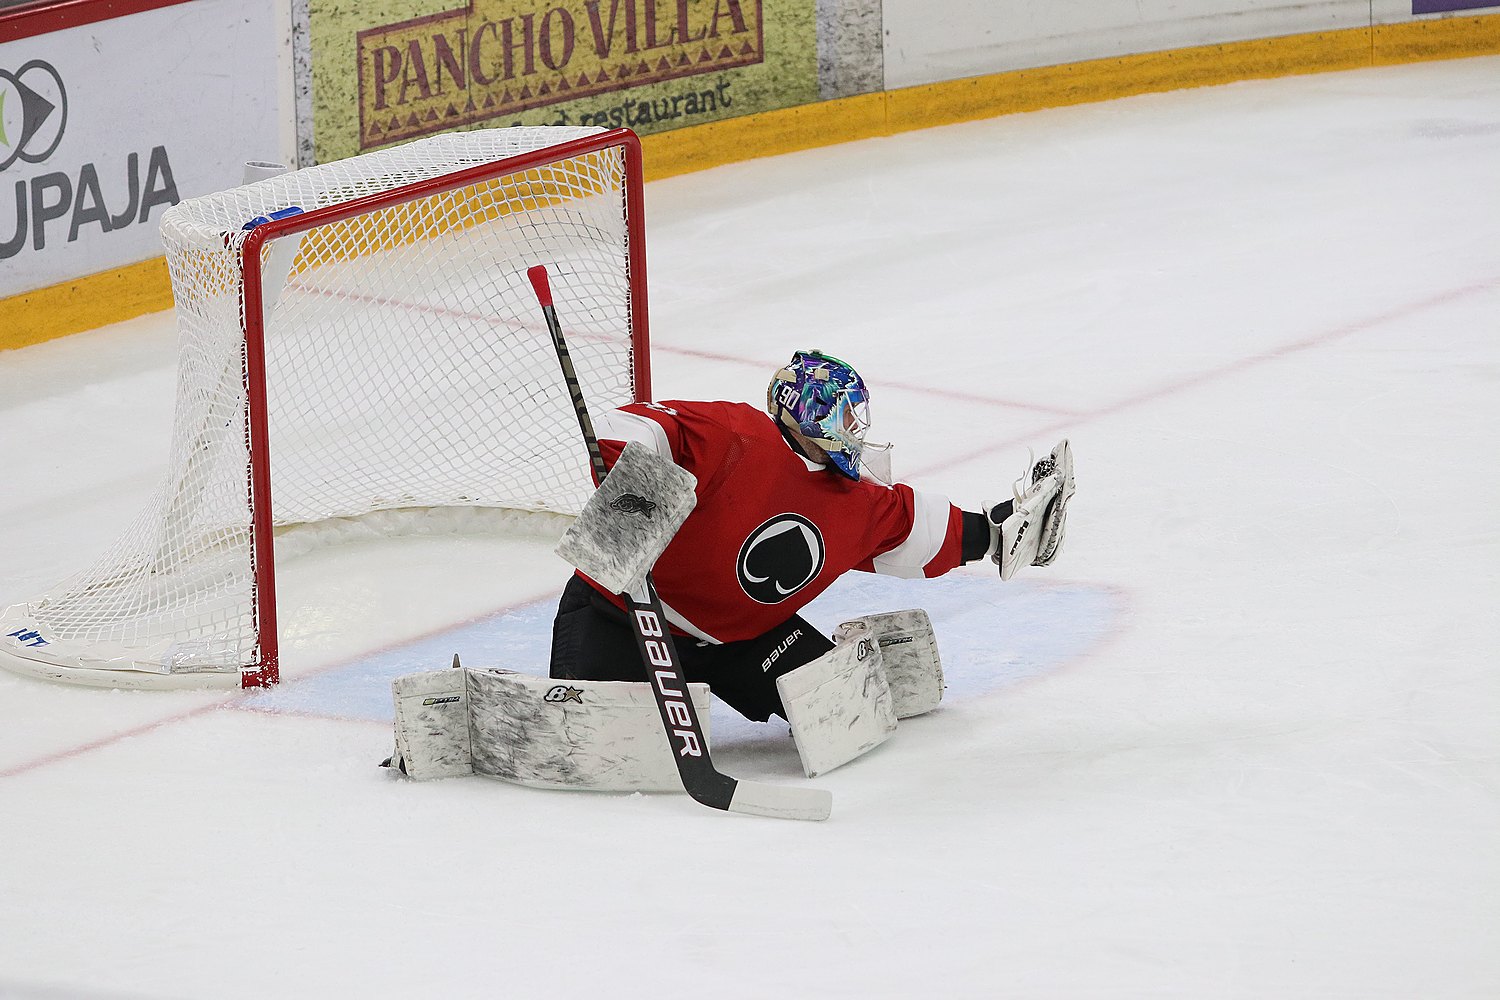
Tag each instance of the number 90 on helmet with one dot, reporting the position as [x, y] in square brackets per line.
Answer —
[824, 400]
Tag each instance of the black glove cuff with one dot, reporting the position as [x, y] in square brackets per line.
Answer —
[976, 536]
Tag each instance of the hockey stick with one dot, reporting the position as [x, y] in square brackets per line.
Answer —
[653, 638]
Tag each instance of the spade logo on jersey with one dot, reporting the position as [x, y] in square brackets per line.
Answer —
[780, 558]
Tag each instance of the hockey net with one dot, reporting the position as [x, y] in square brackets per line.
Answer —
[371, 344]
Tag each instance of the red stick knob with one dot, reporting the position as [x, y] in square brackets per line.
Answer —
[539, 283]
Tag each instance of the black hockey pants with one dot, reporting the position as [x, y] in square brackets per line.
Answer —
[592, 641]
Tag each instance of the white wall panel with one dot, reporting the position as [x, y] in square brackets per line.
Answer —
[931, 42]
[161, 105]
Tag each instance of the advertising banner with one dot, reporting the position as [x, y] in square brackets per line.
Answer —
[105, 125]
[397, 70]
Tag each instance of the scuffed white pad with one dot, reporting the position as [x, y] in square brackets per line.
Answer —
[909, 654]
[432, 724]
[839, 705]
[600, 735]
[630, 519]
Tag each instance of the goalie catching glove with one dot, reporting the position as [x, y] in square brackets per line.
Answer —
[1030, 530]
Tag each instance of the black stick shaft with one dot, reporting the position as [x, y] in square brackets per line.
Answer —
[647, 620]
[580, 405]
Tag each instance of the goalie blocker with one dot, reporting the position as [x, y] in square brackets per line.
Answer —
[630, 519]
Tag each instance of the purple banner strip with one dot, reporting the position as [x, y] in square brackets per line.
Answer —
[1441, 6]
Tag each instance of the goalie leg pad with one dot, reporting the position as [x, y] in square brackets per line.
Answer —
[630, 519]
[549, 733]
[909, 655]
[839, 705]
[432, 725]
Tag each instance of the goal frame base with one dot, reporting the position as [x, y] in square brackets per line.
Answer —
[124, 678]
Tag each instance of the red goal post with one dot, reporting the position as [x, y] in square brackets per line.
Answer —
[357, 338]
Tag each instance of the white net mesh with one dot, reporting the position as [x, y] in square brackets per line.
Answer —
[407, 366]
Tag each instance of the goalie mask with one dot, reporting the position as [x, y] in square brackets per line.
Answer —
[825, 400]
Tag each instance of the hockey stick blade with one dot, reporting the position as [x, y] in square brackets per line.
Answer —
[700, 779]
[756, 798]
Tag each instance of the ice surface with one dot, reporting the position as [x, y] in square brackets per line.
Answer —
[1240, 741]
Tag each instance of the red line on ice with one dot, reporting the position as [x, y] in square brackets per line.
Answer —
[763, 364]
[1231, 368]
[245, 701]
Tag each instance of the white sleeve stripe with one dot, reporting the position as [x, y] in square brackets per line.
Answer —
[675, 618]
[616, 425]
[928, 531]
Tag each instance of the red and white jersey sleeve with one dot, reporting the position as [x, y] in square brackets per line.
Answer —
[771, 530]
[614, 428]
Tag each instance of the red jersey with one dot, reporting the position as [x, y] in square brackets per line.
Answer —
[771, 530]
